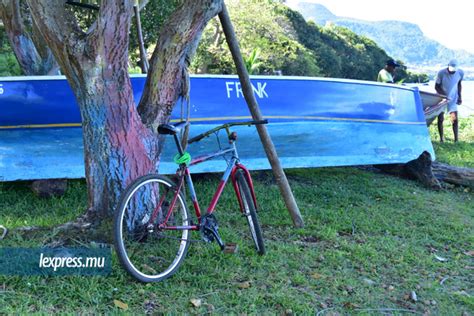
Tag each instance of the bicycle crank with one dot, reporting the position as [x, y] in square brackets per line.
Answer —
[210, 230]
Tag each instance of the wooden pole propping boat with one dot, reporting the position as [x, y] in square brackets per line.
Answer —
[248, 92]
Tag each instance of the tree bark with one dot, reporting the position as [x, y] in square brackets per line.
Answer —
[418, 169]
[32, 54]
[118, 147]
[430, 173]
[171, 58]
[454, 175]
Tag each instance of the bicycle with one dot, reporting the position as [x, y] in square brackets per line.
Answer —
[152, 225]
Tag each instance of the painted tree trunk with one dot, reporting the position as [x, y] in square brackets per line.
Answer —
[118, 148]
[33, 56]
[119, 143]
[168, 79]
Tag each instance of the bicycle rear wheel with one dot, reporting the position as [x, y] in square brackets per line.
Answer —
[250, 212]
[150, 253]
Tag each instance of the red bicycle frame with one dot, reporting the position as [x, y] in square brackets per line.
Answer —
[183, 173]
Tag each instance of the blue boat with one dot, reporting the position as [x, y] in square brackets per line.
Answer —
[314, 122]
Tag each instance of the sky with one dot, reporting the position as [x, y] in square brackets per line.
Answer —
[451, 23]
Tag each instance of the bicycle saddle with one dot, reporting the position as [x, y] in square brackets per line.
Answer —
[171, 129]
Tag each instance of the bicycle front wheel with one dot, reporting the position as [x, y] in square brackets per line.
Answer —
[151, 250]
[250, 212]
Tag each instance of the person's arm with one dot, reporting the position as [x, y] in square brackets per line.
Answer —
[439, 89]
[459, 92]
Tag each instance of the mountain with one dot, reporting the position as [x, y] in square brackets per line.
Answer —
[402, 40]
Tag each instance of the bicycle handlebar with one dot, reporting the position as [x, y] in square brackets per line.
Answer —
[227, 125]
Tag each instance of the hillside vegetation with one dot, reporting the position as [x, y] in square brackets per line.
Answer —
[274, 39]
[287, 44]
[402, 40]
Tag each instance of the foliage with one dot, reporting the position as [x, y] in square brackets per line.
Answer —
[402, 75]
[270, 33]
[152, 17]
[457, 154]
[8, 63]
[277, 40]
[289, 45]
[252, 62]
[339, 52]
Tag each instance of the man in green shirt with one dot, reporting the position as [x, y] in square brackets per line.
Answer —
[386, 74]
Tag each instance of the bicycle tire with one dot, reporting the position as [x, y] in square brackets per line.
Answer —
[141, 247]
[250, 212]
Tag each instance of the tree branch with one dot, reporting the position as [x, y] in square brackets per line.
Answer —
[60, 30]
[31, 52]
[114, 16]
[167, 78]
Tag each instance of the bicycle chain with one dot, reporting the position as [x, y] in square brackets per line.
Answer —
[176, 238]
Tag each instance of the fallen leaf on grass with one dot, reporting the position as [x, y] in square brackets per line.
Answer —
[243, 285]
[440, 258]
[317, 276]
[413, 296]
[121, 304]
[196, 302]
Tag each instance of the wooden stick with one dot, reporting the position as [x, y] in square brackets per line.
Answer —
[247, 90]
[141, 44]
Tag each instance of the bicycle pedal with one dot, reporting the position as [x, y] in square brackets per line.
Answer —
[230, 247]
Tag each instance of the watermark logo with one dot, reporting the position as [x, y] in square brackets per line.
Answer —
[55, 261]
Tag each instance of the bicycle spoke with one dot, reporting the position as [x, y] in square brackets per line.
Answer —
[147, 252]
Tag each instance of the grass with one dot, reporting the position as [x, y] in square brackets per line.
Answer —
[369, 240]
[457, 154]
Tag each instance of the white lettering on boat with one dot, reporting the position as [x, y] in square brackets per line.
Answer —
[235, 89]
[1, 88]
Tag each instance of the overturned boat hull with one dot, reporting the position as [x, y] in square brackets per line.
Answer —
[314, 122]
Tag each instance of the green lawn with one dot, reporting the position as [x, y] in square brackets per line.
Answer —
[456, 154]
[369, 240]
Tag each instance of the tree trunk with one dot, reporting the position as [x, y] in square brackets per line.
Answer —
[118, 147]
[454, 175]
[418, 169]
[30, 49]
[171, 58]
[430, 173]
